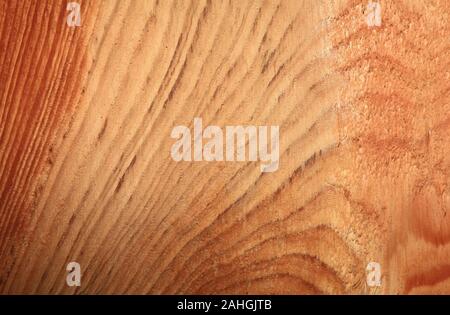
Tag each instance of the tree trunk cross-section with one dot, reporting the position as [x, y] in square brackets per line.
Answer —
[86, 173]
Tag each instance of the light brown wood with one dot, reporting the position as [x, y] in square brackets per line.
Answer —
[86, 173]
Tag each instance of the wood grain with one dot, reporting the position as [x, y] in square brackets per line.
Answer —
[86, 173]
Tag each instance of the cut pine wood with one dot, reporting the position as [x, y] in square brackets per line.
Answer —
[86, 173]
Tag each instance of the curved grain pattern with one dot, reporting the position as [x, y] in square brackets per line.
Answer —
[399, 124]
[86, 173]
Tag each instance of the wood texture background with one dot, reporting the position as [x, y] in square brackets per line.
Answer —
[85, 167]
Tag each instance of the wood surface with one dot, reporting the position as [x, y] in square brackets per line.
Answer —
[85, 168]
